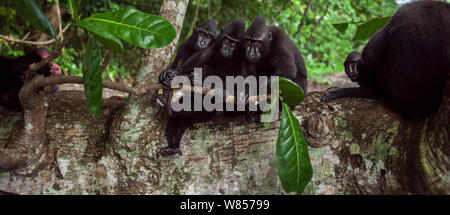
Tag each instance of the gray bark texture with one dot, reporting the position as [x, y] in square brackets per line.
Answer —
[357, 146]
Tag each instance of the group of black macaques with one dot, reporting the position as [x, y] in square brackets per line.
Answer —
[260, 51]
[406, 64]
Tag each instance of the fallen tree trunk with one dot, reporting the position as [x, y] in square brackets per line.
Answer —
[357, 146]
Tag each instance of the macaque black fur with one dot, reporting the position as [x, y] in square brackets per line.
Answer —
[407, 62]
[270, 52]
[202, 37]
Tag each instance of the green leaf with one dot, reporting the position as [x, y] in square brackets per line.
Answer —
[72, 6]
[291, 93]
[273, 114]
[370, 27]
[138, 28]
[341, 27]
[92, 76]
[107, 40]
[35, 16]
[294, 165]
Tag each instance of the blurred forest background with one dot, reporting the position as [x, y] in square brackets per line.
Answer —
[309, 23]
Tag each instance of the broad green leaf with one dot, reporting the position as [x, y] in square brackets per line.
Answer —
[294, 166]
[35, 16]
[291, 93]
[370, 27]
[138, 28]
[341, 27]
[92, 76]
[107, 40]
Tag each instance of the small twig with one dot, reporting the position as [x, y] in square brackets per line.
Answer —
[302, 22]
[29, 90]
[218, 9]
[58, 12]
[209, 9]
[318, 23]
[106, 61]
[191, 29]
[11, 40]
[26, 36]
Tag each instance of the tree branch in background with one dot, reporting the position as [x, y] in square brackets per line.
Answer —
[23, 41]
[318, 23]
[217, 9]
[58, 12]
[209, 9]
[282, 9]
[191, 29]
[302, 22]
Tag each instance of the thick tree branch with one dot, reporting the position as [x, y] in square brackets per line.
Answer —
[28, 97]
[28, 151]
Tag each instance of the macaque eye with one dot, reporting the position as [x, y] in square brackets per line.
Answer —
[227, 41]
[256, 43]
[202, 34]
[249, 42]
[233, 44]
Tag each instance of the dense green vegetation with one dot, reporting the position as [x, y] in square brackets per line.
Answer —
[308, 22]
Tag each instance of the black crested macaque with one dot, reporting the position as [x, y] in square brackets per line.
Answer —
[202, 37]
[407, 62]
[270, 52]
[222, 59]
[12, 71]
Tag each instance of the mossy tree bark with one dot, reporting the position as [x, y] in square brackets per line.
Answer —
[357, 146]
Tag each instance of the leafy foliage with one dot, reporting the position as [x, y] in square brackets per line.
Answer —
[35, 16]
[138, 28]
[366, 30]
